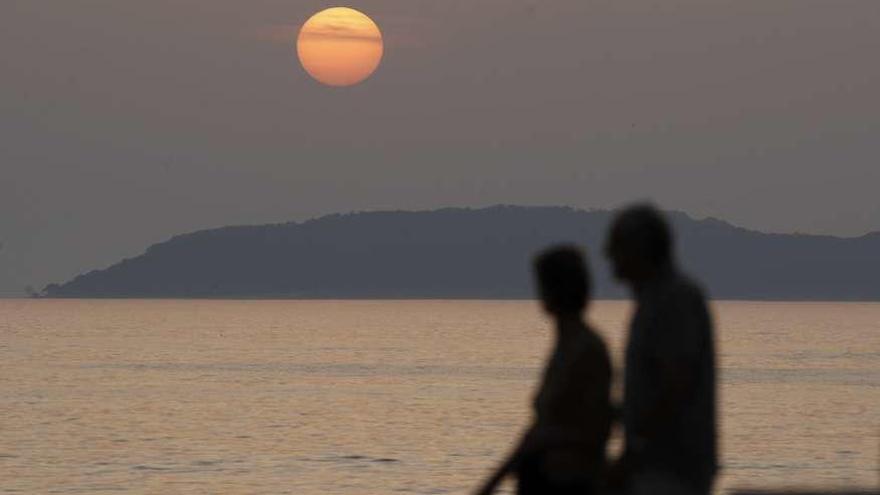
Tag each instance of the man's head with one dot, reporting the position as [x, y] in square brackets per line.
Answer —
[563, 280]
[639, 243]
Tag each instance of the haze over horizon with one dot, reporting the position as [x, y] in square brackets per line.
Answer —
[123, 124]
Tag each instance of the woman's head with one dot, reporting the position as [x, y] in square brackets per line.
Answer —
[563, 280]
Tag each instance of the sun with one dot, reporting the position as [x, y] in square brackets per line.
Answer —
[340, 46]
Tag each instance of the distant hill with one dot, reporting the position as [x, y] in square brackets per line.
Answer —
[469, 253]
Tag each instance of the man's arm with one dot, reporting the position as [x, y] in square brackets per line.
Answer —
[675, 351]
[675, 380]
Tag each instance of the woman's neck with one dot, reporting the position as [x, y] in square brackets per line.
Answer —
[568, 325]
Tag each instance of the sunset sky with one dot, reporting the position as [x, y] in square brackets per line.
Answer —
[123, 123]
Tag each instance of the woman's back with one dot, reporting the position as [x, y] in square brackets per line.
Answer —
[573, 406]
[564, 450]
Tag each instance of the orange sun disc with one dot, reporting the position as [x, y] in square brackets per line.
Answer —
[340, 47]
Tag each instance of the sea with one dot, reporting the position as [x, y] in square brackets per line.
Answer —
[388, 397]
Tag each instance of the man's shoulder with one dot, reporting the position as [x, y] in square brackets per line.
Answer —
[680, 288]
[683, 311]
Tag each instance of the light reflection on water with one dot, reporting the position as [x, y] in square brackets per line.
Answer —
[243, 397]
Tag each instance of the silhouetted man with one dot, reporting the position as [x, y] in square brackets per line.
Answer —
[669, 400]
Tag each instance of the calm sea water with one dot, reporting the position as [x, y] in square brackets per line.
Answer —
[256, 397]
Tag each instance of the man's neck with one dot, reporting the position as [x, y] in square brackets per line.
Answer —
[654, 278]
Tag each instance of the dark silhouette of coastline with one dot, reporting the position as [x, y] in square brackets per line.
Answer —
[468, 253]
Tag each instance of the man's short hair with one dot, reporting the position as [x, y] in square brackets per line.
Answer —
[642, 229]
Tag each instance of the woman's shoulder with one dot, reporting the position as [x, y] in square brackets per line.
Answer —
[594, 350]
[593, 341]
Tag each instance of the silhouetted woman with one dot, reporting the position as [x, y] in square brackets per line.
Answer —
[563, 452]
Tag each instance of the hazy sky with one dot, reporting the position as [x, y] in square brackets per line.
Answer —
[125, 122]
